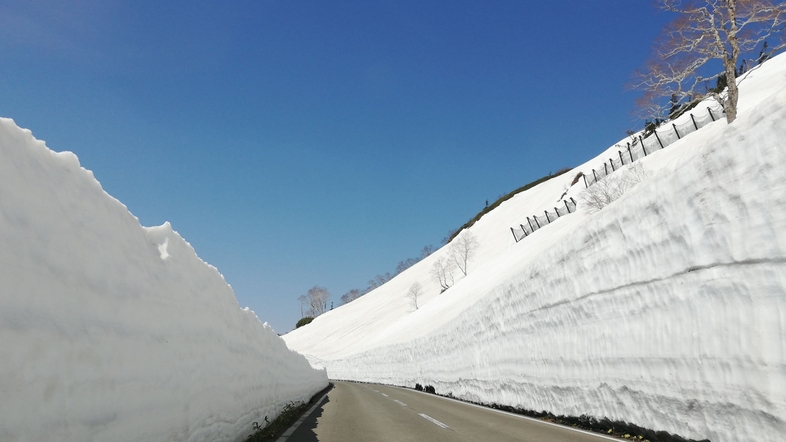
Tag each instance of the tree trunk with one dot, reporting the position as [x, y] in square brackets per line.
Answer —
[730, 64]
[732, 92]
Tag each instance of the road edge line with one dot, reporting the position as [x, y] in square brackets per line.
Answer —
[520, 416]
[284, 437]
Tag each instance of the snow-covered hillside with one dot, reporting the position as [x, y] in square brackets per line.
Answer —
[666, 309]
[114, 332]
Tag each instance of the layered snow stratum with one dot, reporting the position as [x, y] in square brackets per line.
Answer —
[666, 309]
[110, 331]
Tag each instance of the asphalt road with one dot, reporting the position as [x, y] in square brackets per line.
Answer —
[364, 413]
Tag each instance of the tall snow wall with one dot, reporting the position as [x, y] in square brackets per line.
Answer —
[114, 332]
[666, 309]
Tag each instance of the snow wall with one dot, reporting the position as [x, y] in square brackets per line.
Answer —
[666, 309]
[114, 332]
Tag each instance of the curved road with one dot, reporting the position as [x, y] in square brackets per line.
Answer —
[364, 412]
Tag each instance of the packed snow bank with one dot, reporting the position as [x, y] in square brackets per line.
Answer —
[666, 309]
[114, 332]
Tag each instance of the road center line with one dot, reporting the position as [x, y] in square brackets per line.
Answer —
[383, 394]
[434, 421]
[399, 402]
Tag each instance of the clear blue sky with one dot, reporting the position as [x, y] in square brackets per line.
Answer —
[300, 143]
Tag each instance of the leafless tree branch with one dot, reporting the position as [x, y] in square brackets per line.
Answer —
[414, 293]
[705, 32]
[462, 250]
[442, 271]
[314, 302]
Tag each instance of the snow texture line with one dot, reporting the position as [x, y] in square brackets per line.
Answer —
[746, 262]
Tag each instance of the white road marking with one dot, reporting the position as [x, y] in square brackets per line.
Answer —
[434, 421]
[399, 402]
[519, 416]
[284, 437]
[383, 394]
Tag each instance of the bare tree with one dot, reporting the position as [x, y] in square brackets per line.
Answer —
[603, 192]
[635, 174]
[351, 295]
[407, 263]
[463, 249]
[611, 187]
[705, 32]
[378, 281]
[427, 250]
[303, 305]
[414, 293]
[442, 271]
[447, 238]
[314, 302]
[319, 297]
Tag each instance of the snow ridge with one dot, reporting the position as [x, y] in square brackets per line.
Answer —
[665, 309]
[114, 332]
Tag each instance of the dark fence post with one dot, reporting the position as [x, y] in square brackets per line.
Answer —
[657, 138]
[694, 122]
[585, 180]
[710, 112]
[642, 142]
[536, 220]
[676, 131]
[530, 224]
[547, 216]
[556, 210]
[514, 234]
[523, 229]
[622, 162]
[595, 176]
[574, 201]
[611, 161]
[630, 153]
[566, 205]
[605, 169]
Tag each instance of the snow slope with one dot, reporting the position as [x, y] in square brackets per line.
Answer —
[114, 332]
[666, 309]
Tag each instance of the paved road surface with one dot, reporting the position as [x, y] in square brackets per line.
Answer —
[370, 413]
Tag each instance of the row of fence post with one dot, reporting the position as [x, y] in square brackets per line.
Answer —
[537, 225]
[643, 149]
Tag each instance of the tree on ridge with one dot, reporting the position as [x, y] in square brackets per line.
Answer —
[314, 302]
[703, 32]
